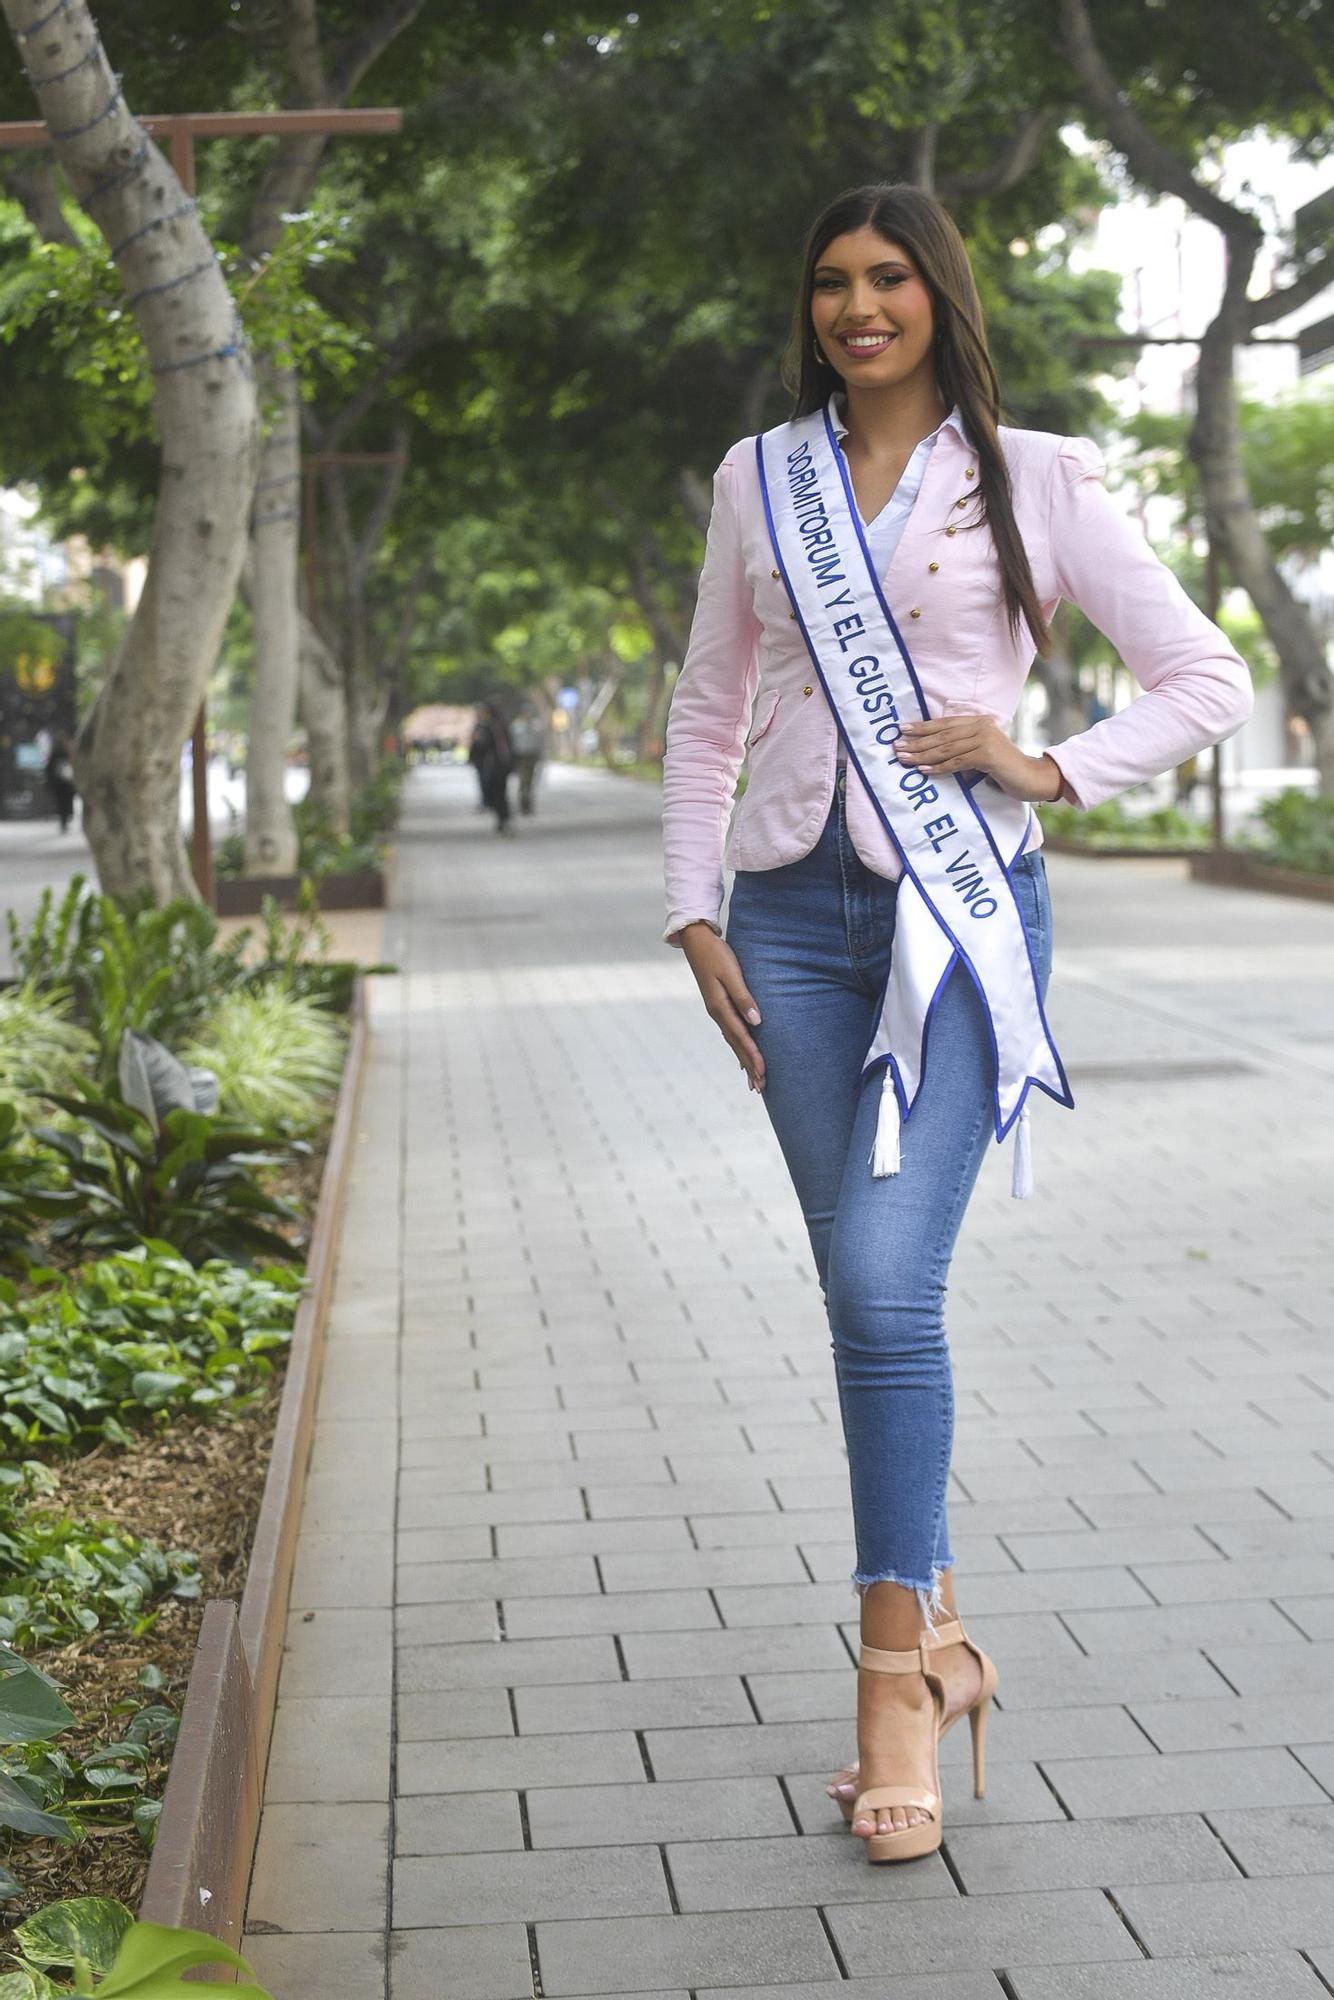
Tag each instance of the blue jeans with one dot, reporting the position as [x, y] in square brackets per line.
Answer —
[814, 940]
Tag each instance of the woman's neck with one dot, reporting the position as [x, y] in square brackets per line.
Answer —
[887, 423]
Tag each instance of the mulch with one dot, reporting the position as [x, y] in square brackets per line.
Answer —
[196, 1486]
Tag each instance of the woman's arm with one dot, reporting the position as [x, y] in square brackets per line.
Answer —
[706, 728]
[1197, 688]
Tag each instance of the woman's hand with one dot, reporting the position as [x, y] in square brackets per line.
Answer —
[726, 996]
[978, 743]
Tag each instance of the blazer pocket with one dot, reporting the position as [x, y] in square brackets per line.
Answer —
[767, 710]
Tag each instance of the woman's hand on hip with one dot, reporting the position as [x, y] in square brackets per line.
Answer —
[977, 743]
[726, 996]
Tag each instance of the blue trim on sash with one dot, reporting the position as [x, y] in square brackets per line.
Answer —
[960, 954]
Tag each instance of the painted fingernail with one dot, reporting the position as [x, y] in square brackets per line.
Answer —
[753, 1016]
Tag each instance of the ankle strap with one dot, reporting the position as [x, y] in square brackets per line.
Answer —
[876, 1660]
[944, 1635]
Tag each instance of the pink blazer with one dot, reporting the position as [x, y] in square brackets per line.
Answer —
[747, 689]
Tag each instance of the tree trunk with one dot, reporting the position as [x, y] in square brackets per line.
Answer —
[323, 707]
[650, 746]
[127, 760]
[270, 830]
[1233, 524]
[1056, 677]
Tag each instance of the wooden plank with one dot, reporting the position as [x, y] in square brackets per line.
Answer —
[199, 1873]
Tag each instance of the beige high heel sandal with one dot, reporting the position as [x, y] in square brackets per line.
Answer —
[953, 1634]
[908, 1843]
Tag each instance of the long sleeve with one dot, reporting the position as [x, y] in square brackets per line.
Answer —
[1197, 688]
[706, 727]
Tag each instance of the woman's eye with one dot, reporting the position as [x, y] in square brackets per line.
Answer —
[890, 278]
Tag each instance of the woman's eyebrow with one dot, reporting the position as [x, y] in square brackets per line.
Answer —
[837, 270]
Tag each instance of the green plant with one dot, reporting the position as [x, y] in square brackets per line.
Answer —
[40, 1046]
[143, 1336]
[33, 1192]
[62, 1578]
[116, 1958]
[1300, 831]
[1110, 825]
[191, 1181]
[32, 1711]
[276, 1055]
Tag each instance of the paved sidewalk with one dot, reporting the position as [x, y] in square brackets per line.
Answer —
[569, 1655]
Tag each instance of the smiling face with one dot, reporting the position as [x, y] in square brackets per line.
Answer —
[871, 310]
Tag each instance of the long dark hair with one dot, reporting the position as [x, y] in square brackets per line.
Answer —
[910, 216]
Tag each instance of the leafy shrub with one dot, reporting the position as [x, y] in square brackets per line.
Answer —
[61, 1578]
[143, 1337]
[276, 1055]
[1110, 825]
[116, 1958]
[41, 1048]
[48, 1793]
[1300, 831]
[34, 1191]
[190, 1181]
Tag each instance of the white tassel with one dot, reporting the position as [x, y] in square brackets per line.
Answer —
[885, 1152]
[1021, 1184]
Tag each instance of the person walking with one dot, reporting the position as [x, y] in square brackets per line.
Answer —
[60, 781]
[493, 756]
[527, 739]
[879, 573]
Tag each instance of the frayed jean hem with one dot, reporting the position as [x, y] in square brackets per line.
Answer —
[928, 1594]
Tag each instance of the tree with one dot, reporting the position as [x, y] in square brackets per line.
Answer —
[1282, 71]
[127, 759]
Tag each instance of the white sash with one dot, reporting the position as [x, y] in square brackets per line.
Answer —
[957, 841]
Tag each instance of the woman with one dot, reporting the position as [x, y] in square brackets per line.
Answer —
[878, 576]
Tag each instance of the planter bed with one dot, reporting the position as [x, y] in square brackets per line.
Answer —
[243, 895]
[231, 1492]
[1117, 851]
[1247, 871]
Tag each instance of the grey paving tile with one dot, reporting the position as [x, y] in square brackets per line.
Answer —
[1299, 1667]
[446, 1624]
[1173, 1920]
[483, 1711]
[1280, 1840]
[1242, 1577]
[517, 1577]
[786, 1604]
[1114, 1546]
[621, 1611]
[330, 1747]
[320, 1868]
[479, 1963]
[1039, 1734]
[1179, 1625]
[506, 1763]
[457, 1823]
[774, 1748]
[1206, 1725]
[648, 1954]
[1059, 1927]
[703, 1568]
[1086, 1854]
[1109, 1677]
[340, 1569]
[515, 1663]
[643, 1538]
[1278, 1975]
[695, 1703]
[759, 1874]
[1138, 1510]
[433, 1890]
[1318, 1759]
[930, 1986]
[333, 1965]
[808, 1697]
[689, 1809]
[747, 1650]
[338, 1652]
[738, 1496]
[1312, 1615]
[1195, 1781]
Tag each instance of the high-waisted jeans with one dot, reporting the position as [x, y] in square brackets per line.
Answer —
[814, 939]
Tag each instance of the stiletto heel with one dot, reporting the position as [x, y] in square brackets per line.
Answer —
[953, 1634]
[977, 1722]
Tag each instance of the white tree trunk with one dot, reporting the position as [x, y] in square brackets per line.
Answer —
[270, 831]
[323, 706]
[127, 760]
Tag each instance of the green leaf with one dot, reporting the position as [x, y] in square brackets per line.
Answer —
[31, 1709]
[152, 1959]
[25, 1986]
[93, 1926]
[10, 1886]
[20, 1815]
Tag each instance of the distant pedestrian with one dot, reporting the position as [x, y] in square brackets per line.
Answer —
[493, 755]
[878, 575]
[528, 740]
[60, 781]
